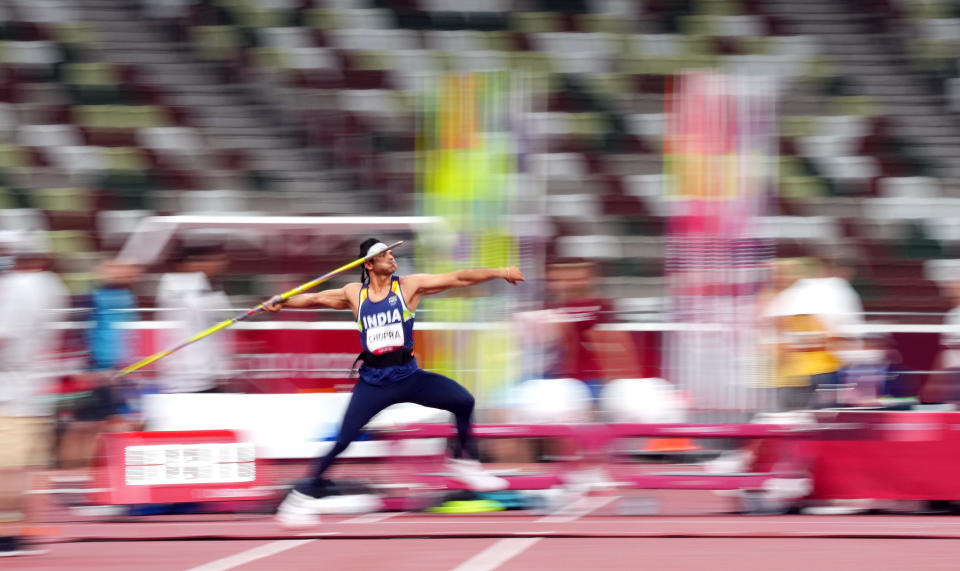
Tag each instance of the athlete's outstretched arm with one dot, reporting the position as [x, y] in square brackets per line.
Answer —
[332, 298]
[426, 284]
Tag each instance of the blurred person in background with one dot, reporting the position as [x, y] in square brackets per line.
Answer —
[32, 301]
[112, 303]
[385, 305]
[802, 320]
[575, 311]
[582, 351]
[791, 391]
[816, 319]
[188, 295]
[838, 305]
[102, 398]
[562, 341]
[783, 273]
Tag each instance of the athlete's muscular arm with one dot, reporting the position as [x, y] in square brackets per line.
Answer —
[342, 298]
[417, 285]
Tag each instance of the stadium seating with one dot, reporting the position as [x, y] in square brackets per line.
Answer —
[109, 109]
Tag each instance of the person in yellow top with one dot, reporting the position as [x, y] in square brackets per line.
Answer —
[805, 357]
[805, 360]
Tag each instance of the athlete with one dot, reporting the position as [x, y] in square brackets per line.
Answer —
[384, 305]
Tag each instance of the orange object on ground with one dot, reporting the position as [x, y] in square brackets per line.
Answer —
[671, 445]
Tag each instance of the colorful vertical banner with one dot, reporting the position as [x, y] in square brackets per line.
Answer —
[720, 149]
[467, 159]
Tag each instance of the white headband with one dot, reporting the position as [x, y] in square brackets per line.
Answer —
[377, 248]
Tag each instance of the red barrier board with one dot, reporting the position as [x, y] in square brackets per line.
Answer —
[172, 467]
[895, 456]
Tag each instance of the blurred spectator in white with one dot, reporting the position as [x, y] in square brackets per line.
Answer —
[192, 304]
[835, 299]
[32, 301]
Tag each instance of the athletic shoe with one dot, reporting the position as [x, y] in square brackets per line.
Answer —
[840, 507]
[473, 475]
[16, 547]
[344, 497]
[348, 504]
[297, 511]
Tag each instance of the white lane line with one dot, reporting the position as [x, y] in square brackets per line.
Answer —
[497, 554]
[249, 555]
[373, 517]
[577, 509]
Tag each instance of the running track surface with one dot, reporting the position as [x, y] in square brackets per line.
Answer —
[507, 554]
[692, 531]
[589, 534]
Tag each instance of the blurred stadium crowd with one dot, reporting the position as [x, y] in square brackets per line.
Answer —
[115, 110]
[112, 110]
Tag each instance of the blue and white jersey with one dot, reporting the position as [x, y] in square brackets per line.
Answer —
[385, 326]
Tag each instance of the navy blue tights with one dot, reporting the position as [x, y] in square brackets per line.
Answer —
[423, 388]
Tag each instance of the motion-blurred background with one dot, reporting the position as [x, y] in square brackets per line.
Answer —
[731, 195]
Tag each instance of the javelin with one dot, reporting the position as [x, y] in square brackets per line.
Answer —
[227, 323]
